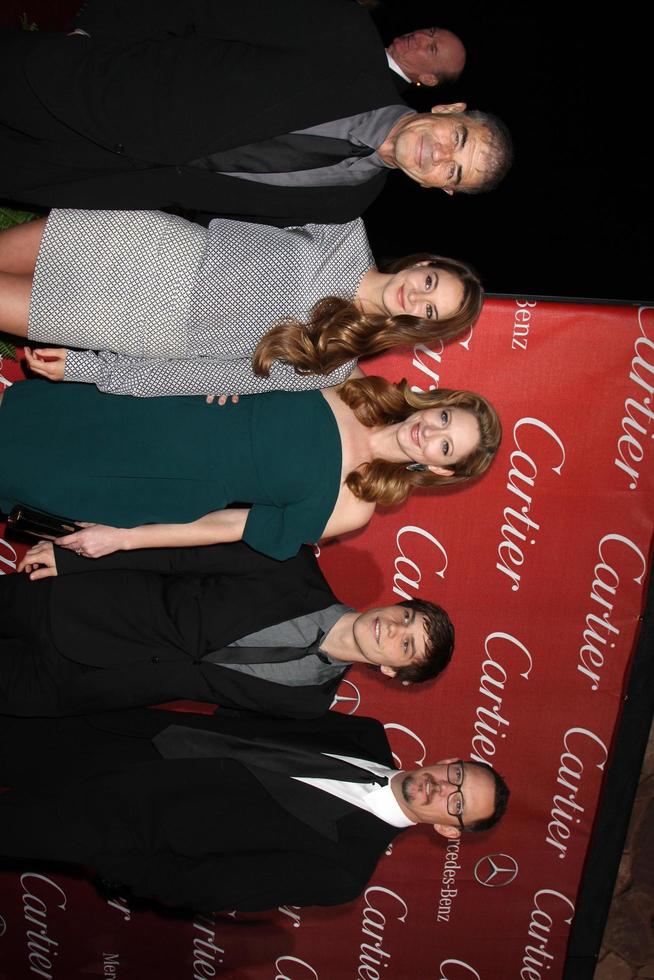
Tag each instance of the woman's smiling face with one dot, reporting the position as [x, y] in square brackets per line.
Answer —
[438, 437]
[423, 291]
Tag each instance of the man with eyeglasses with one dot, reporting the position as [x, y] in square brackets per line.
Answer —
[455, 796]
[231, 811]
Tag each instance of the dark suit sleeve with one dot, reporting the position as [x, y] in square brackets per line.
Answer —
[123, 18]
[233, 689]
[155, 682]
[218, 559]
[250, 21]
[246, 882]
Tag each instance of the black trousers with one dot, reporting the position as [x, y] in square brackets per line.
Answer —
[35, 679]
[56, 770]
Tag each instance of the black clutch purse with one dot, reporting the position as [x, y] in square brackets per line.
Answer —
[39, 523]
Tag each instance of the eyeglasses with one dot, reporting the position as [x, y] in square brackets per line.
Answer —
[455, 801]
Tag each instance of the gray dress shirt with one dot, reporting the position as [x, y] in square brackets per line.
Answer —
[315, 668]
[365, 129]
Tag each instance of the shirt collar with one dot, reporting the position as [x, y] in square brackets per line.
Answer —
[393, 65]
[378, 800]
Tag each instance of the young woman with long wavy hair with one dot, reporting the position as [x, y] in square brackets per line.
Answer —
[146, 303]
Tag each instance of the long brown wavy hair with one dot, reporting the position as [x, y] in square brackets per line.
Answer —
[376, 401]
[337, 330]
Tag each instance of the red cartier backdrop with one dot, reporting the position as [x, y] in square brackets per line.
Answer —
[543, 566]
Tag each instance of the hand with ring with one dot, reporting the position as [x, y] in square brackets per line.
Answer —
[94, 541]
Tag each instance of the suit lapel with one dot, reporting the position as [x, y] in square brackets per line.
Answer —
[318, 809]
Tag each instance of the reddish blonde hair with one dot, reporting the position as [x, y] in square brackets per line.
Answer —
[337, 330]
[376, 401]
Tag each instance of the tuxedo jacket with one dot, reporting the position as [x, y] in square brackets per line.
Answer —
[207, 833]
[212, 76]
[148, 618]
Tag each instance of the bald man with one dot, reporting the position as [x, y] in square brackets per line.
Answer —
[429, 56]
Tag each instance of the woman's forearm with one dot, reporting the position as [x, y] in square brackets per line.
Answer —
[97, 540]
[219, 527]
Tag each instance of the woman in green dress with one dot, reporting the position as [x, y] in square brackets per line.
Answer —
[172, 472]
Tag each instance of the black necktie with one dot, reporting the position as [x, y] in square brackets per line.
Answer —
[267, 655]
[275, 755]
[283, 155]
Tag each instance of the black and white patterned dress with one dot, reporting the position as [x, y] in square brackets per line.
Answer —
[162, 306]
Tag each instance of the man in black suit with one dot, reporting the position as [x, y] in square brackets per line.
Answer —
[282, 111]
[220, 813]
[222, 624]
[429, 56]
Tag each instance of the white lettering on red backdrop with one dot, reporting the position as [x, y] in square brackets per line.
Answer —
[120, 904]
[432, 359]
[204, 947]
[448, 880]
[521, 323]
[518, 523]
[567, 810]
[419, 760]
[629, 443]
[8, 557]
[458, 974]
[298, 969]
[540, 926]
[429, 366]
[110, 965]
[407, 570]
[372, 955]
[41, 947]
[605, 583]
[489, 720]
[293, 912]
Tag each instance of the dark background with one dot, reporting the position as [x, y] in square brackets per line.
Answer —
[574, 217]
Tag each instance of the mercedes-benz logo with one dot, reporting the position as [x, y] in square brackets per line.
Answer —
[496, 870]
[3, 926]
[354, 697]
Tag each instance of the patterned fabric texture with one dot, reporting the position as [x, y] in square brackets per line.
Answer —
[166, 307]
[119, 280]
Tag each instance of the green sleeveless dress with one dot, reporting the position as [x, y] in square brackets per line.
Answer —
[77, 452]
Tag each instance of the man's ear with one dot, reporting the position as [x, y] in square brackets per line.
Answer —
[446, 831]
[441, 470]
[388, 671]
[429, 80]
[451, 107]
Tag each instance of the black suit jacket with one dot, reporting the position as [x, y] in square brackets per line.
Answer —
[148, 618]
[213, 77]
[204, 833]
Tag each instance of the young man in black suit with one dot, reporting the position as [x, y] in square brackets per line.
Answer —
[285, 112]
[221, 813]
[221, 623]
